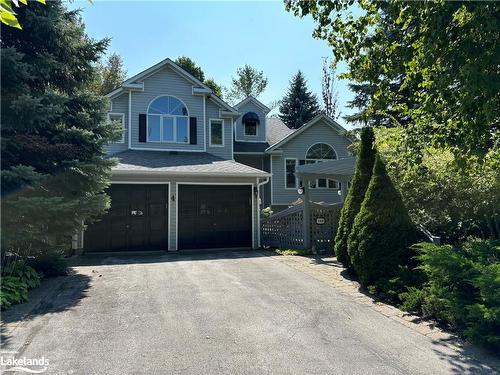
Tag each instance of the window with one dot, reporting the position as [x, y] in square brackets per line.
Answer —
[316, 154]
[290, 180]
[120, 118]
[250, 128]
[250, 122]
[168, 120]
[216, 133]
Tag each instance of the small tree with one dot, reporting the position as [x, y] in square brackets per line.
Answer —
[190, 66]
[299, 105]
[109, 76]
[329, 92]
[216, 88]
[356, 194]
[248, 81]
[382, 231]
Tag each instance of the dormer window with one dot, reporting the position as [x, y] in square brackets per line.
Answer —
[250, 122]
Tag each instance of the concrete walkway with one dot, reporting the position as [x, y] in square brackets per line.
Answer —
[220, 313]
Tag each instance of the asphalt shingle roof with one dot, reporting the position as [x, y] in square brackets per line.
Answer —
[195, 163]
[330, 168]
[276, 130]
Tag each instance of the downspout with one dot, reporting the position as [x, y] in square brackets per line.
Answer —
[259, 184]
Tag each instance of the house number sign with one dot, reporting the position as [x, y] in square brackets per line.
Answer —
[320, 220]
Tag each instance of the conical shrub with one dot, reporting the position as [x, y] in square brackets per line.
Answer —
[356, 194]
[382, 231]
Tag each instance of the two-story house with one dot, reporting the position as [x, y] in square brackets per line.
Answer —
[194, 172]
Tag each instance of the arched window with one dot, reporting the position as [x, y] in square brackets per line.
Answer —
[320, 152]
[250, 121]
[316, 154]
[168, 120]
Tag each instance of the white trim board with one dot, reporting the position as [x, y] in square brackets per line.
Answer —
[333, 124]
[210, 120]
[124, 129]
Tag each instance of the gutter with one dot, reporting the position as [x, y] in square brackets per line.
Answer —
[188, 173]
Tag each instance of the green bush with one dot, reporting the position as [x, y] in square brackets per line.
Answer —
[299, 252]
[382, 232]
[356, 194]
[462, 288]
[12, 291]
[17, 279]
[49, 265]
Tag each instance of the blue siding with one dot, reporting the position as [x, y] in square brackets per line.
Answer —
[167, 82]
[296, 149]
[261, 129]
[212, 112]
[119, 105]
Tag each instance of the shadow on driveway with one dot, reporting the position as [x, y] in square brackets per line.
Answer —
[103, 259]
[52, 296]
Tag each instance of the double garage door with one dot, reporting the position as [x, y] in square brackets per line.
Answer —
[208, 216]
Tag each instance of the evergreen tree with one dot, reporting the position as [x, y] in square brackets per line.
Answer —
[299, 105]
[356, 194]
[54, 169]
[382, 231]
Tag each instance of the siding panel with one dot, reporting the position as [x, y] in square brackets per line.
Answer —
[297, 148]
[119, 105]
[167, 82]
[261, 128]
[212, 111]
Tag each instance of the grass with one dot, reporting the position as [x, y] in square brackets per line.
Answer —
[297, 252]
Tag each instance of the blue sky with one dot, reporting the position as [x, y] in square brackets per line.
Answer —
[218, 36]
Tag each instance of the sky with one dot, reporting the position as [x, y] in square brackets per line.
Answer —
[218, 36]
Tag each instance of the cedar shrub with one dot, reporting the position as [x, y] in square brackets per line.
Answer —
[352, 204]
[382, 231]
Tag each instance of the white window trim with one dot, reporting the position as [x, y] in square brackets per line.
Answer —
[210, 132]
[124, 129]
[161, 129]
[250, 135]
[296, 182]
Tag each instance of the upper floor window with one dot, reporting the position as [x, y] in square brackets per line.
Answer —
[216, 132]
[120, 118]
[250, 122]
[316, 154]
[168, 120]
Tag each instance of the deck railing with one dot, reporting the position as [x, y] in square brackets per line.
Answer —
[285, 229]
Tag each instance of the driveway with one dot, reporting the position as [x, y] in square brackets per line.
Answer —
[217, 313]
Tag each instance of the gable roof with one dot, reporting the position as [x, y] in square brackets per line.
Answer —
[252, 99]
[276, 130]
[176, 68]
[328, 120]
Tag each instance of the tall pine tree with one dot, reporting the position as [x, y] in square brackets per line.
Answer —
[54, 169]
[299, 105]
[356, 194]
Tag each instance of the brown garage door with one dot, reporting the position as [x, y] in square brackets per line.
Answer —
[214, 216]
[136, 221]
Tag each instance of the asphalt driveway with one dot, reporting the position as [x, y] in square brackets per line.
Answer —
[217, 313]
